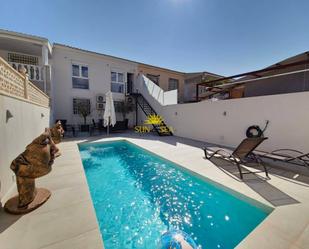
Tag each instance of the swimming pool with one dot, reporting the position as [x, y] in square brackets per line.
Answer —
[138, 195]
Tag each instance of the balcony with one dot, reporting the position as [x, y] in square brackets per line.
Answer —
[32, 53]
[35, 72]
[15, 84]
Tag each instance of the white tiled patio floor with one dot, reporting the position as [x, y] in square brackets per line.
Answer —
[68, 219]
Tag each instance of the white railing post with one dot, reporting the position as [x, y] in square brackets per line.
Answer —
[43, 72]
[35, 72]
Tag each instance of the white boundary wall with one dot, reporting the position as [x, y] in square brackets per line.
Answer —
[225, 122]
[205, 121]
[155, 95]
[29, 120]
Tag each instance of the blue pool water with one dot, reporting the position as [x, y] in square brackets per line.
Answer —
[138, 196]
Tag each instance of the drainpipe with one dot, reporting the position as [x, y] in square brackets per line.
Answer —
[44, 64]
[136, 118]
[197, 86]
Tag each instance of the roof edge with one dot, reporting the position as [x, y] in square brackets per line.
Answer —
[11, 34]
[23, 35]
[115, 57]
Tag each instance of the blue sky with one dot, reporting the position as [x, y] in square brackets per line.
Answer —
[221, 36]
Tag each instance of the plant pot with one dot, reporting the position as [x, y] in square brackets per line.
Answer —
[84, 128]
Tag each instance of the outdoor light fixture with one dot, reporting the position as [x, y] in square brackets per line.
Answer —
[8, 115]
[224, 113]
[42, 115]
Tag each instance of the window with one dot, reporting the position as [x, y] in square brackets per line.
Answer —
[23, 59]
[81, 103]
[154, 78]
[114, 76]
[117, 85]
[118, 105]
[173, 84]
[203, 89]
[80, 76]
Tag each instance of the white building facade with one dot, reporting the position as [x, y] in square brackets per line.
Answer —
[70, 75]
[84, 76]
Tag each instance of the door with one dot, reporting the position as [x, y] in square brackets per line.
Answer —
[130, 78]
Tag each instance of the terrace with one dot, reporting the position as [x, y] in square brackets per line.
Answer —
[68, 219]
[30, 52]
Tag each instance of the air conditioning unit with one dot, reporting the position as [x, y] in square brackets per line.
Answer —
[100, 98]
[100, 106]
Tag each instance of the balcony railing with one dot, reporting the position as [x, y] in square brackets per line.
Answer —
[34, 72]
[17, 85]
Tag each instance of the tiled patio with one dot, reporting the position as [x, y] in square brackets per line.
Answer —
[68, 219]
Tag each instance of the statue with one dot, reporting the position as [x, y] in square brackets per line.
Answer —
[34, 162]
[57, 133]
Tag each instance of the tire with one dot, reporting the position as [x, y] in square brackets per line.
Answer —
[254, 131]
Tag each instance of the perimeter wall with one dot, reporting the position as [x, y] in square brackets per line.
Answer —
[24, 115]
[225, 121]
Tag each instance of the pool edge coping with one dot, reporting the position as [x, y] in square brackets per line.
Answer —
[273, 232]
[229, 190]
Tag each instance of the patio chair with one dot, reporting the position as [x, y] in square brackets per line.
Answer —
[242, 155]
[287, 156]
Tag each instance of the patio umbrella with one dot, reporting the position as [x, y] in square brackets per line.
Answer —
[109, 112]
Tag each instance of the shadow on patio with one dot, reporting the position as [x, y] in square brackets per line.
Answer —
[6, 220]
[260, 184]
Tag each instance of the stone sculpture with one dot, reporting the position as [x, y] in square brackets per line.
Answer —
[34, 162]
[57, 133]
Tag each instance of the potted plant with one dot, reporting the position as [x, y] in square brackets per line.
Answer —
[125, 107]
[84, 110]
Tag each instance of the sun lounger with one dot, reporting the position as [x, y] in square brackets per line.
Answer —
[287, 156]
[242, 155]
